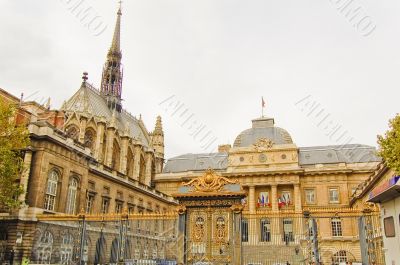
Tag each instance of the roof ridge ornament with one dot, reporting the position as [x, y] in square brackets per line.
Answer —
[209, 182]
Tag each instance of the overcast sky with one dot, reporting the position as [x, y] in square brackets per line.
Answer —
[218, 57]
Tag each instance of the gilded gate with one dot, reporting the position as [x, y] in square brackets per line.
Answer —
[211, 211]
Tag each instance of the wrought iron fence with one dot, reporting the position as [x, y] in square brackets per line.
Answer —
[311, 238]
[111, 239]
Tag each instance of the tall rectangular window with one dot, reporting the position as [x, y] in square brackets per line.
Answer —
[89, 203]
[265, 229]
[336, 224]
[51, 190]
[118, 207]
[288, 230]
[310, 196]
[245, 230]
[105, 204]
[334, 195]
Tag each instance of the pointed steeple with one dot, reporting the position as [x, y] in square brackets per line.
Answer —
[116, 41]
[111, 82]
[158, 137]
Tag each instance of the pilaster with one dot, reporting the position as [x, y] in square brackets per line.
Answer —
[25, 175]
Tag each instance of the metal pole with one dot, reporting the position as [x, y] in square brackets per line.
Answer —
[82, 243]
[315, 241]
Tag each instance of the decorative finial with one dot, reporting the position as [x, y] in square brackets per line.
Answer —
[85, 77]
[120, 8]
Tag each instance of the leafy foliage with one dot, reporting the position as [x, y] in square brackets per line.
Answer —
[13, 139]
[390, 145]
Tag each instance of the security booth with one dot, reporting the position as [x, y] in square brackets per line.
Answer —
[388, 196]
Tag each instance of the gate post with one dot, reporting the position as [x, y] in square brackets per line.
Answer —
[181, 238]
[236, 234]
[363, 240]
[82, 239]
[312, 225]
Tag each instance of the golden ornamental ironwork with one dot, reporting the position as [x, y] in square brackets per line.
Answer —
[181, 209]
[209, 182]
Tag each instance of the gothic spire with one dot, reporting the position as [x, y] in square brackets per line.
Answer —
[111, 82]
[115, 45]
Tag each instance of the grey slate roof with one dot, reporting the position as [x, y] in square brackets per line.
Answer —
[332, 154]
[252, 135]
[351, 153]
[189, 162]
[263, 128]
[88, 99]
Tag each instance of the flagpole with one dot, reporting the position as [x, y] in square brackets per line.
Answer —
[262, 111]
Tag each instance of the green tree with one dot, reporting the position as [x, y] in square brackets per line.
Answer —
[390, 145]
[13, 139]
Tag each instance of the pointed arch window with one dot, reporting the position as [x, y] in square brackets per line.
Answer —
[115, 156]
[71, 197]
[72, 132]
[90, 136]
[51, 190]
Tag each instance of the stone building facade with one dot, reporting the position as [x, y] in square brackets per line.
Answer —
[282, 179]
[90, 156]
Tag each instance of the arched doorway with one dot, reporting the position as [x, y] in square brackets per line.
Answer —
[101, 247]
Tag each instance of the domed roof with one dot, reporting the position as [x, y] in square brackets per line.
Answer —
[263, 128]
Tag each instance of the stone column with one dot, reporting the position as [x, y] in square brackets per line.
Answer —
[124, 152]
[82, 129]
[136, 162]
[109, 147]
[297, 198]
[25, 175]
[274, 199]
[252, 201]
[98, 148]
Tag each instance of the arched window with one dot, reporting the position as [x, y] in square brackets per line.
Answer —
[101, 248]
[45, 248]
[129, 163]
[72, 132]
[114, 251]
[155, 249]
[90, 136]
[146, 251]
[115, 156]
[51, 190]
[265, 229]
[142, 170]
[71, 197]
[340, 256]
[66, 249]
[128, 249]
[137, 250]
